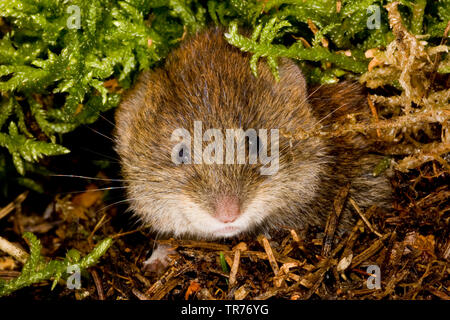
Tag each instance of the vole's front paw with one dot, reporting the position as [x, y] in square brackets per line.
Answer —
[160, 259]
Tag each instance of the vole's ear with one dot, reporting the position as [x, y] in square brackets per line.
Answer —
[133, 98]
[137, 103]
[291, 78]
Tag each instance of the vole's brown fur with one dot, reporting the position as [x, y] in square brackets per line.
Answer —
[208, 80]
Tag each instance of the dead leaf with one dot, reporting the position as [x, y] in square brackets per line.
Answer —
[425, 244]
[7, 263]
[240, 293]
[88, 198]
[194, 287]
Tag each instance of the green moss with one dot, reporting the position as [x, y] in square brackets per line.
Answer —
[37, 269]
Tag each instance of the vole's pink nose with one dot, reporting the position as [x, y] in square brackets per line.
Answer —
[227, 209]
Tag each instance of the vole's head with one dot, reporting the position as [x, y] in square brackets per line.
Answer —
[183, 178]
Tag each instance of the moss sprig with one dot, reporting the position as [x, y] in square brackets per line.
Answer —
[36, 269]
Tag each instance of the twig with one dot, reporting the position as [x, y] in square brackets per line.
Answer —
[333, 219]
[285, 273]
[438, 293]
[10, 207]
[235, 266]
[298, 241]
[140, 295]
[195, 244]
[273, 263]
[390, 286]
[317, 277]
[278, 257]
[98, 284]
[13, 250]
[268, 294]
[97, 226]
[143, 279]
[358, 210]
[373, 109]
[270, 256]
[9, 274]
[347, 254]
[366, 254]
[118, 235]
[166, 283]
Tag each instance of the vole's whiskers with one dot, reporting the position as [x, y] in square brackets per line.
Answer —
[112, 159]
[101, 134]
[95, 178]
[329, 114]
[93, 190]
[106, 119]
[118, 202]
[158, 234]
[311, 94]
